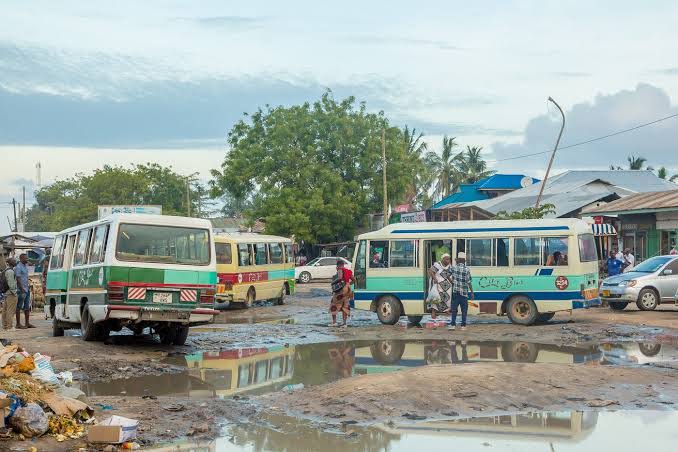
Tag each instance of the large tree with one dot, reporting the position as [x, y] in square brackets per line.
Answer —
[445, 168]
[472, 165]
[315, 170]
[73, 201]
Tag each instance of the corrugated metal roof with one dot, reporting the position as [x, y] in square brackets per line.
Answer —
[575, 189]
[505, 182]
[657, 200]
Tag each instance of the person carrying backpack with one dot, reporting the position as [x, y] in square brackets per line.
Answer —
[8, 287]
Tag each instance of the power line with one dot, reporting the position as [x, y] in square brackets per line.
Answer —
[639, 126]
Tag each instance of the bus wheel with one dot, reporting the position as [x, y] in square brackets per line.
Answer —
[618, 305]
[519, 352]
[57, 329]
[415, 319]
[388, 310]
[647, 300]
[545, 317]
[167, 334]
[249, 299]
[281, 299]
[88, 328]
[522, 310]
[387, 352]
[180, 335]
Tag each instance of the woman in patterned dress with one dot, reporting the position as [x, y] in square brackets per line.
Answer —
[442, 278]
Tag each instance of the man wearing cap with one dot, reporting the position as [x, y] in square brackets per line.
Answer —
[10, 301]
[460, 290]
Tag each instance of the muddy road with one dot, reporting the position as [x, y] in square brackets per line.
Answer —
[263, 378]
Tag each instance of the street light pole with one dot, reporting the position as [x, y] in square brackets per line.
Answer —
[383, 169]
[553, 154]
[188, 192]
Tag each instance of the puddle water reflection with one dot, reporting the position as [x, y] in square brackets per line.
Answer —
[265, 369]
[556, 431]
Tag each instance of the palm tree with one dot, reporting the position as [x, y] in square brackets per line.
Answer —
[636, 163]
[444, 167]
[473, 166]
[662, 173]
[422, 181]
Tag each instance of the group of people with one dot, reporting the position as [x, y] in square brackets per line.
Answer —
[16, 294]
[619, 262]
[450, 288]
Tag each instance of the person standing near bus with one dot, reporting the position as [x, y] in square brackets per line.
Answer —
[613, 264]
[461, 289]
[10, 300]
[23, 292]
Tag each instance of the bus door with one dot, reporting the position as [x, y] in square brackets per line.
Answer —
[433, 252]
[68, 263]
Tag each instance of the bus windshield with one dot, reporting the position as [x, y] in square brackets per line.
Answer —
[163, 244]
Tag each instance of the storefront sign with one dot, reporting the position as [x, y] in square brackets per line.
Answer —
[413, 217]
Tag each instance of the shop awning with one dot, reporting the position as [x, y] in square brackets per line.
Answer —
[603, 229]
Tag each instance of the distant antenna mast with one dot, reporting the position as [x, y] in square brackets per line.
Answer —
[38, 175]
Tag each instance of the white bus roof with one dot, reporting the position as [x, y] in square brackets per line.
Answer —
[137, 218]
[553, 226]
[248, 237]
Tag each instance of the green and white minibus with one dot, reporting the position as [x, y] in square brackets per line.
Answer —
[133, 271]
[526, 269]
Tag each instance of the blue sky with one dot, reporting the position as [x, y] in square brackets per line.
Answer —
[87, 83]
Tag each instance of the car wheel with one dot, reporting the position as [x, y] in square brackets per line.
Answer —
[647, 300]
[387, 352]
[618, 305]
[57, 329]
[388, 310]
[305, 277]
[522, 310]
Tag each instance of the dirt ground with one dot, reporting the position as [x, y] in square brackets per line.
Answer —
[422, 392]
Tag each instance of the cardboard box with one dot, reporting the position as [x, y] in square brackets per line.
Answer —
[113, 430]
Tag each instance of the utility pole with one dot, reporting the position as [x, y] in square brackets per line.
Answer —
[14, 208]
[23, 214]
[188, 197]
[383, 170]
[553, 154]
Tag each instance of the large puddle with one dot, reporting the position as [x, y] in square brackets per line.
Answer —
[552, 431]
[241, 371]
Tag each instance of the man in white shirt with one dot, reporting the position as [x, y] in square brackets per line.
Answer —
[629, 260]
[618, 254]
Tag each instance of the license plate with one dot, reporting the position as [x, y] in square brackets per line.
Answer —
[606, 293]
[162, 297]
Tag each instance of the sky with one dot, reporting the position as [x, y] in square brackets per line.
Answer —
[87, 83]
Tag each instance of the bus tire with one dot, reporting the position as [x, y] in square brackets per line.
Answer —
[522, 310]
[545, 317]
[250, 297]
[87, 327]
[167, 334]
[181, 335]
[387, 352]
[618, 305]
[415, 319]
[304, 277]
[388, 310]
[281, 299]
[57, 328]
[648, 300]
[519, 352]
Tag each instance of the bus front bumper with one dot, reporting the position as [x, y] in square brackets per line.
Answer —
[585, 304]
[154, 314]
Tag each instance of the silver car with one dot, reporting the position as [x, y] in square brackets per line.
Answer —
[648, 284]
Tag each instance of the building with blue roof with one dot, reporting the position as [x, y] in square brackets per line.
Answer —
[487, 188]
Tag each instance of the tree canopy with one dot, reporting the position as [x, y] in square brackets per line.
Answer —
[528, 213]
[73, 201]
[314, 170]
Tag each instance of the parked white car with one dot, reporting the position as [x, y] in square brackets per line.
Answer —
[319, 268]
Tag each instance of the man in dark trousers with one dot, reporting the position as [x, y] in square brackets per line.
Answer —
[460, 291]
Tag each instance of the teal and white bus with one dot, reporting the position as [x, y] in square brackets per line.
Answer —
[526, 269]
[133, 271]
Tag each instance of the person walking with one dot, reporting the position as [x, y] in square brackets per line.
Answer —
[8, 287]
[23, 292]
[461, 289]
[441, 284]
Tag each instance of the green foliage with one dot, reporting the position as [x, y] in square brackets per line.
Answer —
[636, 163]
[314, 170]
[70, 202]
[529, 213]
[451, 170]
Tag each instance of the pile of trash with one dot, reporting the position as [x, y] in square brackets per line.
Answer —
[34, 400]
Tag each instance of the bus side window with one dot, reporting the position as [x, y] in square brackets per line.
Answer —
[403, 253]
[57, 259]
[359, 266]
[260, 254]
[501, 255]
[223, 251]
[289, 253]
[461, 248]
[479, 252]
[82, 246]
[527, 251]
[555, 251]
[244, 255]
[98, 249]
[379, 254]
